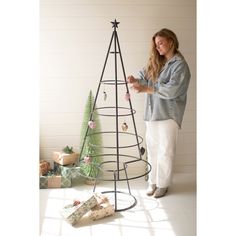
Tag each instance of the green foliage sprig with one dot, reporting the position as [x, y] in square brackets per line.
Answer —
[68, 150]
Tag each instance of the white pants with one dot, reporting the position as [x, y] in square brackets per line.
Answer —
[161, 139]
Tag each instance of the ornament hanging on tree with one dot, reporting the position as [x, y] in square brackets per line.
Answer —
[127, 96]
[92, 124]
[87, 159]
[104, 95]
[142, 150]
[124, 126]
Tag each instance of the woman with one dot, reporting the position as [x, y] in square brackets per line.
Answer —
[165, 82]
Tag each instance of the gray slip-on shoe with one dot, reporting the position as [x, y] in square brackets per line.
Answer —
[151, 189]
[160, 192]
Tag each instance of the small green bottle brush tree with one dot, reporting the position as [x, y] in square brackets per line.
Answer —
[89, 154]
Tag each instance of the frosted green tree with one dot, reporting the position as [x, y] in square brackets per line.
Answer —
[91, 142]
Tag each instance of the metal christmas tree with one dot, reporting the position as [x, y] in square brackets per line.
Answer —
[116, 166]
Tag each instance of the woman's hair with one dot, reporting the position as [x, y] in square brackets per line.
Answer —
[157, 61]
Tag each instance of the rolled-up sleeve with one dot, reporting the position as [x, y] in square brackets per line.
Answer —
[141, 77]
[176, 86]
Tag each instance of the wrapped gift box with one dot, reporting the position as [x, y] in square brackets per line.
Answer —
[73, 213]
[54, 181]
[68, 171]
[63, 170]
[101, 211]
[64, 158]
[43, 182]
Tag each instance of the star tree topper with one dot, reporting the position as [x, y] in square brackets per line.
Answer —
[115, 24]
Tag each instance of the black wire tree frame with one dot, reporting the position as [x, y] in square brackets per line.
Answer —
[120, 166]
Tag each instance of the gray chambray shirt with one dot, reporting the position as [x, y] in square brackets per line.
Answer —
[170, 91]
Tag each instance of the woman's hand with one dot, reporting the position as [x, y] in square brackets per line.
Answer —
[138, 88]
[131, 79]
[141, 88]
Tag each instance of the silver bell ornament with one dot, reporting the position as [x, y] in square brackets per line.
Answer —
[104, 96]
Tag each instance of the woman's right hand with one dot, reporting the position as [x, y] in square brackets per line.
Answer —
[131, 79]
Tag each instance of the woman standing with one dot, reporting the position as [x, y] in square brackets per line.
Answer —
[165, 82]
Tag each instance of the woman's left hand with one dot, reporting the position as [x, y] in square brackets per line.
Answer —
[137, 87]
[141, 88]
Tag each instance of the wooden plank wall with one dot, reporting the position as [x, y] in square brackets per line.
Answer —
[74, 38]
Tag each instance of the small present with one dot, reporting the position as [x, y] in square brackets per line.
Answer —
[43, 182]
[54, 181]
[63, 170]
[64, 158]
[44, 167]
[101, 211]
[101, 198]
[72, 213]
[68, 171]
[65, 182]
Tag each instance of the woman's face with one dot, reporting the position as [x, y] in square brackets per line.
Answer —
[163, 45]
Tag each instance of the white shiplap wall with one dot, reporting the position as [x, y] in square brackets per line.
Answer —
[74, 38]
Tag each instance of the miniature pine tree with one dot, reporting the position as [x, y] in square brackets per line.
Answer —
[89, 168]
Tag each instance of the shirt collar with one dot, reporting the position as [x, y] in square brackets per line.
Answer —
[176, 57]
